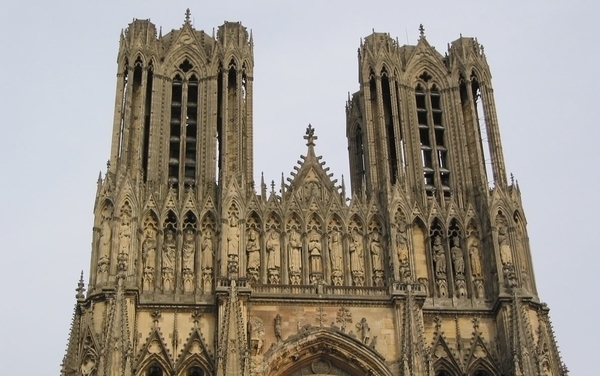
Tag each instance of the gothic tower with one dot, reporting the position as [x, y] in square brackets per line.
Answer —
[425, 270]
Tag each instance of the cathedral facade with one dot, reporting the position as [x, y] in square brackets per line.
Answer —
[422, 267]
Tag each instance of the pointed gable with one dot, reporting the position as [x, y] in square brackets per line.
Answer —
[312, 182]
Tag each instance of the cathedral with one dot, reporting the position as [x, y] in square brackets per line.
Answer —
[421, 267]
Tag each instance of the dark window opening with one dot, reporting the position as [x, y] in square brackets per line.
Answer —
[147, 115]
[195, 371]
[155, 370]
[389, 125]
[186, 66]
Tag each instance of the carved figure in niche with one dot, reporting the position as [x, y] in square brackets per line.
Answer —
[336, 256]
[189, 251]
[256, 332]
[253, 249]
[105, 237]
[233, 236]
[457, 256]
[295, 252]
[273, 256]
[277, 327]
[376, 251]
[365, 331]
[125, 234]
[207, 250]
[233, 244]
[357, 264]
[503, 242]
[522, 258]
[314, 251]
[168, 260]
[149, 257]
[402, 250]
[439, 257]
[475, 259]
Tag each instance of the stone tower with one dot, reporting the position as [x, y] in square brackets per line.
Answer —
[425, 270]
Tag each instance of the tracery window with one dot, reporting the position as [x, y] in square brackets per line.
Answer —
[432, 137]
[185, 99]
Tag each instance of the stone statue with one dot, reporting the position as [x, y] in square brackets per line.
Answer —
[256, 333]
[439, 257]
[189, 251]
[335, 251]
[253, 250]
[357, 263]
[104, 250]
[475, 259]
[149, 257]
[277, 327]
[457, 256]
[233, 236]
[233, 244]
[503, 242]
[207, 249]
[295, 253]
[376, 251]
[402, 246]
[105, 237]
[125, 234]
[365, 331]
[273, 250]
[314, 252]
[273, 256]
[168, 260]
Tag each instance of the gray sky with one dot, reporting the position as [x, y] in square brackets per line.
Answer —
[57, 80]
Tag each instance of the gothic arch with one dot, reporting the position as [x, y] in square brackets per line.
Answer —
[482, 367]
[340, 350]
[152, 360]
[171, 66]
[413, 72]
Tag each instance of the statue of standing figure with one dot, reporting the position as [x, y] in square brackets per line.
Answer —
[295, 253]
[168, 260]
[376, 251]
[457, 257]
[189, 252]
[149, 257]
[439, 257]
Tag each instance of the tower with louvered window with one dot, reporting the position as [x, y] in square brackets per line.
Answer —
[423, 267]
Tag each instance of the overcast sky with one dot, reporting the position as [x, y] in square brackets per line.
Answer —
[57, 80]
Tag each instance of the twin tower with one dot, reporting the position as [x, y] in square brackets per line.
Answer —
[423, 268]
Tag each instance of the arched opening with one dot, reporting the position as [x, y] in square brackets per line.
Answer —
[155, 370]
[311, 354]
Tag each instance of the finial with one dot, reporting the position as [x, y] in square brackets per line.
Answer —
[475, 321]
[108, 164]
[155, 317]
[310, 136]
[159, 32]
[187, 16]
[196, 315]
[80, 288]
[272, 186]
[438, 323]
[421, 31]
[512, 179]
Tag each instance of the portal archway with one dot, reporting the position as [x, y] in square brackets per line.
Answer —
[324, 351]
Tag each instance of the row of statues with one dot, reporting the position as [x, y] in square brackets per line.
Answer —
[350, 257]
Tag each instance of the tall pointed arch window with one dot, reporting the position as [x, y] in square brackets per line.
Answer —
[183, 137]
[432, 137]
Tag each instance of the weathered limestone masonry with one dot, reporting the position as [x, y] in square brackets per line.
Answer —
[424, 270]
